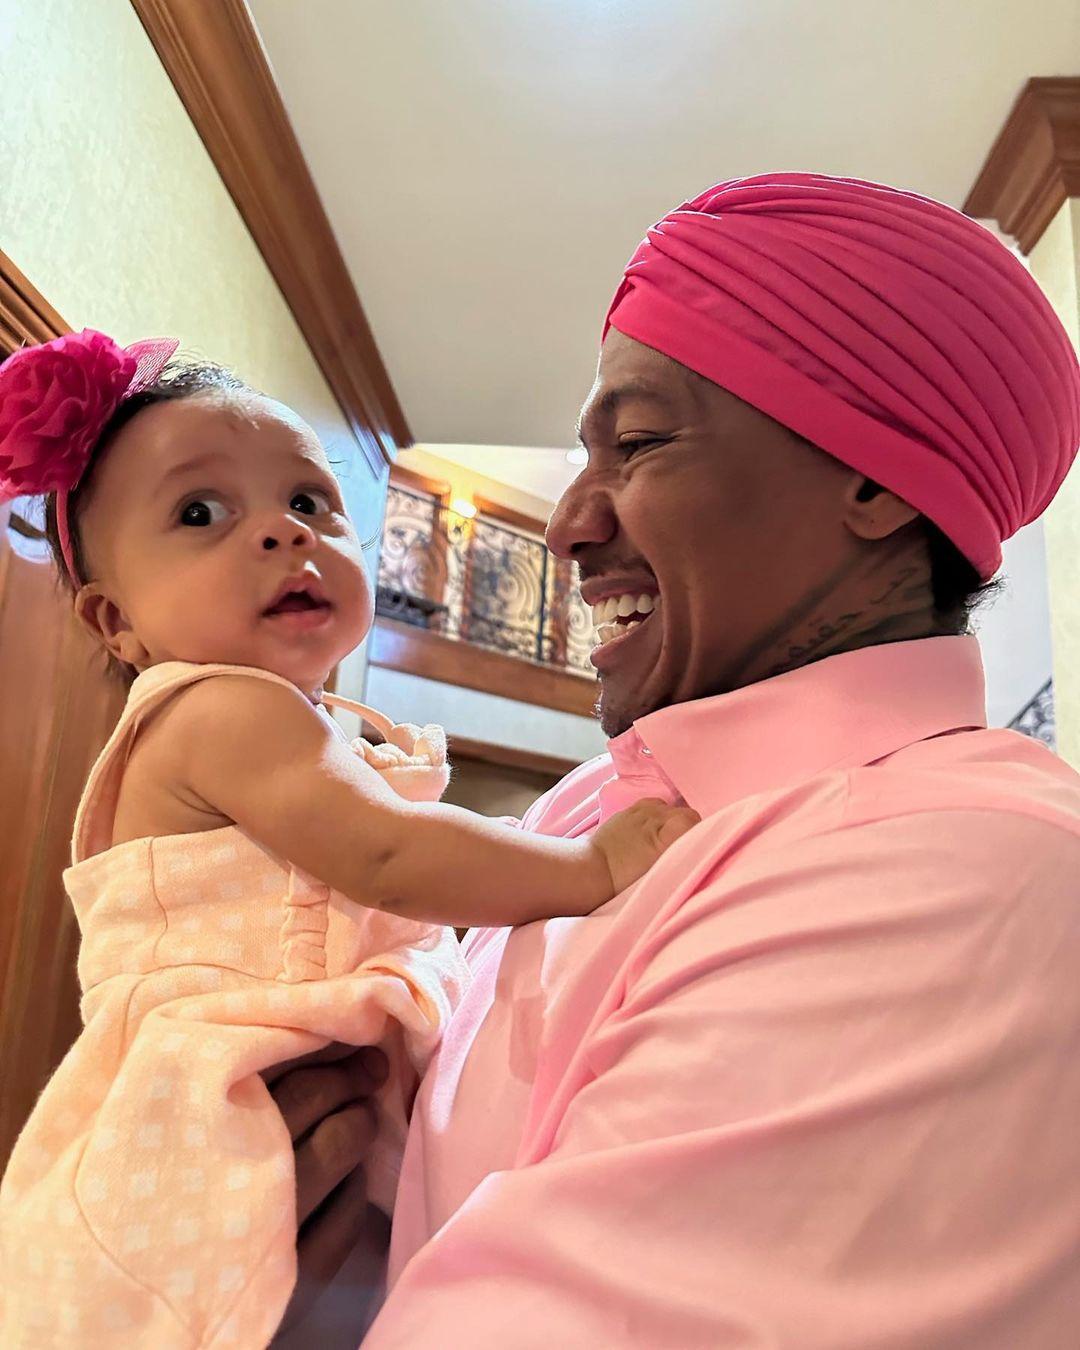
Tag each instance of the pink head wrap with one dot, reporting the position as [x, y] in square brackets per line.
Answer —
[55, 401]
[891, 331]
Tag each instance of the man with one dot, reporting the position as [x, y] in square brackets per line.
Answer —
[815, 1081]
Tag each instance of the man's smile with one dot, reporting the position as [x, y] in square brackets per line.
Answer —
[621, 606]
[617, 620]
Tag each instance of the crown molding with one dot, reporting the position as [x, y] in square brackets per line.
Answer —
[26, 317]
[214, 56]
[1033, 167]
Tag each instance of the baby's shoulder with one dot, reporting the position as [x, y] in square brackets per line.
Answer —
[222, 711]
[206, 731]
[237, 696]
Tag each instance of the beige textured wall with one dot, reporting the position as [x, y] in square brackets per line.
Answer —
[1055, 264]
[112, 208]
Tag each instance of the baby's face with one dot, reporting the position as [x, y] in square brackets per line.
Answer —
[215, 531]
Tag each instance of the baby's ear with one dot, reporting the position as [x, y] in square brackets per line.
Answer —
[106, 622]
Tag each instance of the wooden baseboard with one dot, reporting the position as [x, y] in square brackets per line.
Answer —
[400, 646]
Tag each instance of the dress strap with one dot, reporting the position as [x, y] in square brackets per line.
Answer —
[150, 692]
[382, 724]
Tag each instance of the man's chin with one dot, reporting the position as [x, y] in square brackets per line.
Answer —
[617, 711]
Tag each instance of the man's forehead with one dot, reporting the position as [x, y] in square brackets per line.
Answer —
[607, 396]
[630, 371]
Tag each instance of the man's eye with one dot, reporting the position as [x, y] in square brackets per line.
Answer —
[311, 502]
[204, 511]
[635, 444]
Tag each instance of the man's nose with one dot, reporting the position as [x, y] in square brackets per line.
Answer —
[584, 514]
[285, 531]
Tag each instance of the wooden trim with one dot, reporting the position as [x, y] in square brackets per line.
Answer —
[1034, 165]
[400, 646]
[509, 757]
[508, 516]
[212, 52]
[413, 481]
[26, 317]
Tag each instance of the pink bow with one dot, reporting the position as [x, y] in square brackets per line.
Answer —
[55, 401]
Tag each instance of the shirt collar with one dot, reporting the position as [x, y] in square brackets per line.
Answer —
[841, 712]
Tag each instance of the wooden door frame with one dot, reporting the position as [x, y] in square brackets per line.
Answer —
[27, 318]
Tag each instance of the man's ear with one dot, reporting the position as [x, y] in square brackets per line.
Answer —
[872, 512]
[106, 622]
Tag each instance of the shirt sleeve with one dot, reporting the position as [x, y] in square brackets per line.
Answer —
[835, 1108]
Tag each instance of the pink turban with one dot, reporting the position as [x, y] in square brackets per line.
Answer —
[891, 331]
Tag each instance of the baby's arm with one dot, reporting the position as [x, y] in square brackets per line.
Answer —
[259, 754]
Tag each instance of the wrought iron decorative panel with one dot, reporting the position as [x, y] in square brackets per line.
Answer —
[480, 581]
[1037, 718]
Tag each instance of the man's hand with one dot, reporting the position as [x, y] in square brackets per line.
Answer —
[325, 1100]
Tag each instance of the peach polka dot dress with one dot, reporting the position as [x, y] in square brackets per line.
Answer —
[150, 1200]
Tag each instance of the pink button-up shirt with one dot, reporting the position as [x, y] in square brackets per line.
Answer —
[813, 1083]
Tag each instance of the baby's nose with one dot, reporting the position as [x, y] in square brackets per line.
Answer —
[286, 533]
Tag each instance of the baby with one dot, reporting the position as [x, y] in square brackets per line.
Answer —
[249, 887]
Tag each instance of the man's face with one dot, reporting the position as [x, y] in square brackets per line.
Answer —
[730, 526]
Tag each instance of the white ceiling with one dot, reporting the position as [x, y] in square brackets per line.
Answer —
[489, 165]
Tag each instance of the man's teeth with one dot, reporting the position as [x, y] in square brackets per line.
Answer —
[607, 631]
[621, 607]
[618, 614]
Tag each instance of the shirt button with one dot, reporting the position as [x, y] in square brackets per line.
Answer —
[646, 752]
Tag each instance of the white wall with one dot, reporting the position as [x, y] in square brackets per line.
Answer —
[1055, 264]
[483, 717]
[1014, 630]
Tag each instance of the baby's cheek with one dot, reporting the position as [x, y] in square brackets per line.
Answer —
[359, 616]
[188, 615]
[359, 601]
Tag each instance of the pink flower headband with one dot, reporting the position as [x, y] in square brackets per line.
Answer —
[55, 401]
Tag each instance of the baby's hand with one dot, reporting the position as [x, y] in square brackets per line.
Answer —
[633, 840]
[412, 760]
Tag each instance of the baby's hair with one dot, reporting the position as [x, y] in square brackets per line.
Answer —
[180, 379]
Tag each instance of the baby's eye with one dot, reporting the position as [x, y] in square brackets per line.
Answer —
[204, 511]
[311, 502]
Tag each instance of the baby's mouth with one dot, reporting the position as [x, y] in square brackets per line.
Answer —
[296, 603]
[297, 597]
